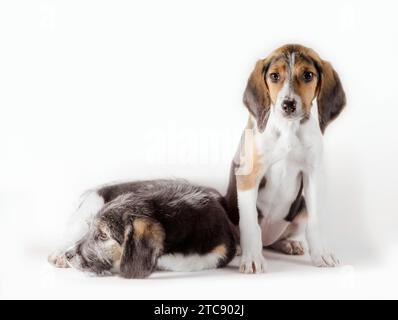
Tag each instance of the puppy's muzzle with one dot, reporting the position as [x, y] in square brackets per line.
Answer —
[289, 106]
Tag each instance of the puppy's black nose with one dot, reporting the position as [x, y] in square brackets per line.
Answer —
[69, 255]
[289, 106]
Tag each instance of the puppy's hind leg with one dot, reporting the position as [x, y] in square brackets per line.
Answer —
[289, 247]
[90, 204]
[288, 243]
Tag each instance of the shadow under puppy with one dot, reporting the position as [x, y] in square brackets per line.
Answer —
[164, 225]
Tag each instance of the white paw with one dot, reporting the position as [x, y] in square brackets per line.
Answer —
[58, 260]
[325, 260]
[253, 265]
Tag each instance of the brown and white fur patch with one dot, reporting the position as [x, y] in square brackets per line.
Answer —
[279, 160]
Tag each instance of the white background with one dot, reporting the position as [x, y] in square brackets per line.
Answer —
[99, 91]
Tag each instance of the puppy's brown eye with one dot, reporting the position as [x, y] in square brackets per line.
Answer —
[275, 77]
[308, 76]
[103, 236]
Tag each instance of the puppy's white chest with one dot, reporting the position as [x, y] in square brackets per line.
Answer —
[286, 156]
[287, 148]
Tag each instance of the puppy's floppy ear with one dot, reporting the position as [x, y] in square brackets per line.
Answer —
[256, 97]
[143, 245]
[331, 95]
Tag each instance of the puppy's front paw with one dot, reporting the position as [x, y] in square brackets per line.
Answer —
[325, 260]
[253, 265]
[58, 260]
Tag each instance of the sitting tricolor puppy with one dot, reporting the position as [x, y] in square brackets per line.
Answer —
[137, 228]
[275, 189]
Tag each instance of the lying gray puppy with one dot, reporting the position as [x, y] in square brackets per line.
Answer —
[143, 226]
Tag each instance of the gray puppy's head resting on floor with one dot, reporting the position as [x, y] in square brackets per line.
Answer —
[119, 241]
